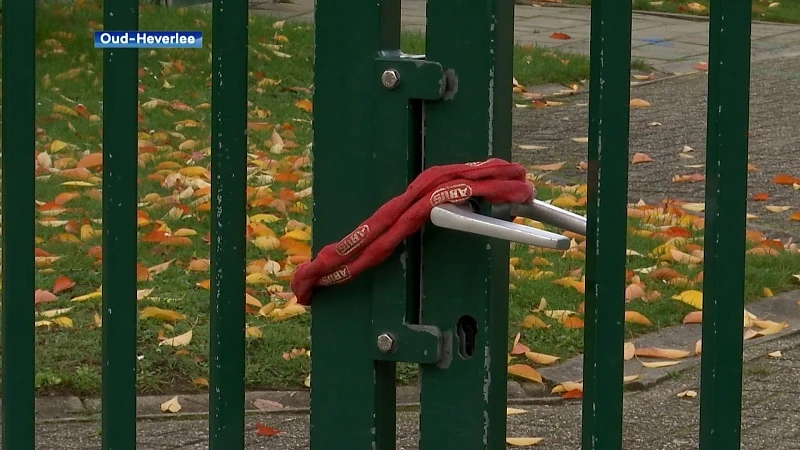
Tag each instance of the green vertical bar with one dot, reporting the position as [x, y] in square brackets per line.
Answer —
[609, 98]
[120, 128]
[726, 193]
[18, 216]
[350, 392]
[463, 406]
[228, 201]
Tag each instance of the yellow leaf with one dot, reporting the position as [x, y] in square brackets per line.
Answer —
[193, 171]
[287, 312]
[691, 297]
[768, 292]
[258, 278]
[541, 358]
[64, 322]
[523, 441]
[567, 386]
[307, 381]
[159, 268]
[298, 235]
[82, 298]
[628, 351]
[657, 364]
[266, 309]
[266, 218]
[581, 140]
[534, 322]
[267, 243]
[161, 314]
[690, 394]
[512, 411]
[253, 332]
[630, 378]
[525, 371]
[171, 405]
[178, 341]
[77, 183]
[777, 354]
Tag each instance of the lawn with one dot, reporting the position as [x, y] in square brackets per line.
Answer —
[174, 224]
[766, 10]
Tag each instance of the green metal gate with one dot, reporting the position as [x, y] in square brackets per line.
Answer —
[451, 106]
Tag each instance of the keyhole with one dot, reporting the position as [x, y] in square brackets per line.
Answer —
[467, 328]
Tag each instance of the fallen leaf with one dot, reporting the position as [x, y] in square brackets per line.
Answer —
[775, 209]
[777, 354]
[654, 352]
[693, 317]
[178, 341]
[691, 297]
[695, 7]
[41, 296]
[628, 351]
[525, 371]
[265, 430]
[166, 315]
[267, 405]
[639, 103]
[636, 317]
[171, 405]
[581, 140]
[657, 364]
[512, 411]
[639, 158]
[560, 36]
[523, 441]
[62, 283]
[541, 358]
[690, 394]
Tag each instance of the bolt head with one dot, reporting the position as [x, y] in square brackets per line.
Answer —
[390, 79]
[386, 343]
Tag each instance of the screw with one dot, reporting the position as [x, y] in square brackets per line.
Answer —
[390, 79]
[386, 343]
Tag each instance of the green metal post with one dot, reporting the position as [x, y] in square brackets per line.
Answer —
[607, 217]
[18, 216]
[120, 152]
[228, 201]
[726, 194]
[352, 395]
[465, 277]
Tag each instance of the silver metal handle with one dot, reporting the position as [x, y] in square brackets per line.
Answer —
[549, 214]
[463, 218]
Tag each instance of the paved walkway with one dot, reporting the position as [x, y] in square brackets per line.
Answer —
[670, 44]
[654, 419]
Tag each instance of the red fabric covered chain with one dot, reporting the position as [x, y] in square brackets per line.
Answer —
[495, 180]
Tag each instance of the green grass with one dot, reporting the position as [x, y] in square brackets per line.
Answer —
[785, 12]
[69, 72]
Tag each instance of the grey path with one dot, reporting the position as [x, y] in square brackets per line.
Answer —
[653, 419]
[679, 106]
[670, 43]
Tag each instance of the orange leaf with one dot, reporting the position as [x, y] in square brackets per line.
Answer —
[62, 283]
[142, 274]
[574, 393]
[265, 430]
[693, 317]
[635, 317]
[641, 158]
[665, 273]
[561, 36]
[91, 160]
[177, 241]
[525, 371]
[795, 216]
[785, 179]
[761, 196]
[572, 322]
[634, 291]
[205, 284]
[304, 104]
